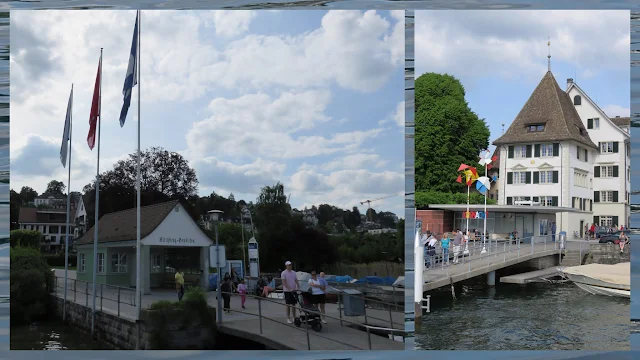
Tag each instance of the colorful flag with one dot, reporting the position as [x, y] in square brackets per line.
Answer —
[64, 149]
[130, 80]
[95, 109]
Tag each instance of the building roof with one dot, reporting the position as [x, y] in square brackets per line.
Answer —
[51, 196]
[27, 215]
[621, 121]
[551, 106]
[121, 225]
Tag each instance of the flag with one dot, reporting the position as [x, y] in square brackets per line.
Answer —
[95, 109]
[64, 149]
[130, 80]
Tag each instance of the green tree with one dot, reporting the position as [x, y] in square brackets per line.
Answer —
[55, 187]
[447, 133]
[273, 223]
[31, 283]
[27, 195]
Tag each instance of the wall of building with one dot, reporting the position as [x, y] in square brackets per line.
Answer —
[437, 221]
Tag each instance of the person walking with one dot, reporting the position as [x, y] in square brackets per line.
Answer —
[179, 284]
[324, 283]
[445, 242]
[242, 290]
[317, 291]
[290, 285]
[457, 242]
[226, 293]
[553, 232]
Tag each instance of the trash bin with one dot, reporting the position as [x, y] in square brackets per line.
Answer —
[353, 302]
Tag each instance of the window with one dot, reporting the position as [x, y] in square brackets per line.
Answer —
[546, 200]
[577, 100]
[606, 196]
[546, 177]
[83, 262]
[628, 174]
[520, 152]
[53, 229]
[606, 171]
[546, 150]
[580, 179]
[101, 263]
[520, 177]
[606, 221]
[535, 128]
[119, 263]
[606, 147]
[156, 265]
[544, 226]
[519, 200]
[578, 150]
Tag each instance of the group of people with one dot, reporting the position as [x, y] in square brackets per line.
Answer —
[290, 285]
[456, 238]
[230, 283]
[593, 233]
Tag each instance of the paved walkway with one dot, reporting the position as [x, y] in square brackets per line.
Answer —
[276, 333]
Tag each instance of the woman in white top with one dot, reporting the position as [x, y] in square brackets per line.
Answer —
[317, 290]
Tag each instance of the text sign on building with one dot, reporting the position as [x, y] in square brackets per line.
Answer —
[213, 256]
[170, 240]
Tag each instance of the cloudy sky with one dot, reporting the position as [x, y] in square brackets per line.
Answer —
[313, 99]
[501, 56]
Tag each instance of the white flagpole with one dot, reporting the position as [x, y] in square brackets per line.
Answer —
[95, 236]
[138, 250]
[66, 244]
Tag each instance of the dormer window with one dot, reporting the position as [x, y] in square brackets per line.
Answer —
[535, 128]
[577, 100]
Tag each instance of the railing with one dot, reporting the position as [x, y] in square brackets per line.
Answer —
[78, 289]
[368, 290]
[472, 251]
[261, 317]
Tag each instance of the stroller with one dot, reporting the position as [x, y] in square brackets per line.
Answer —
[306, 317]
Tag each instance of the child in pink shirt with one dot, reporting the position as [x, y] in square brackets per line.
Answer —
[242, 290]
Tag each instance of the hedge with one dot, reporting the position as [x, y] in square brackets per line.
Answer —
[434, 197]
[57, 260]
[31, 283]
[25, 238]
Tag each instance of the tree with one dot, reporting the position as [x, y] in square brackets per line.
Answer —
[55, 187]
[447, 133]
[325, 214]
[27, 195]
[273, 223]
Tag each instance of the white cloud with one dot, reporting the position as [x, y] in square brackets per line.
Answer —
[616, 110]
[471, 43]
[246, 178]
[231, 23]
[355, 161]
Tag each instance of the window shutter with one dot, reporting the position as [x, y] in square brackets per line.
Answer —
[596, 220]
[586, 155]
[536, 177]
[590, 124]
[615, 171]
[615, 220]
[509, 200]
[556, 149]
[578, 152]
[596, 171]
[528, 178]
[509, 178]
[615, 147]
[536, 150]
[554, 201]
[615, 196]
[600, 147]
[528, 151]
[555, 177]
[590, 205]
[510, 152]
[596, 196]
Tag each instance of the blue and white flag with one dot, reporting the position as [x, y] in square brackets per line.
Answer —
[66, 135]
[130, 80]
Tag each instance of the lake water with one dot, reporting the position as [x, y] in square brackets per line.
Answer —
[52, 336]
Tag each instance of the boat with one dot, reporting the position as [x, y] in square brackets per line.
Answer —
[600, 279]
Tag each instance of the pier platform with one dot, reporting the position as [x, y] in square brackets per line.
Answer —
[532, 276]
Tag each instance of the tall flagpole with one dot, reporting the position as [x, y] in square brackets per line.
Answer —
[138, 250]
[66, 244]
[95, 235]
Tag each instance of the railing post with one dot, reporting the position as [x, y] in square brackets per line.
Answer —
[532, 243]
[390, 318]
[580, 253]
[118, 301]
[505, 253]
[369, 336]
[308, 339]
[518, 245]
[75, 292]
[101, 285]
[340, 307]
[260, 313]
[86, 293]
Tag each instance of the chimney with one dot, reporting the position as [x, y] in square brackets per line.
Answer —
[569, 82]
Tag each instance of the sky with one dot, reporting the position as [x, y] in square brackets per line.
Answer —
[312, 99]
[501, 56]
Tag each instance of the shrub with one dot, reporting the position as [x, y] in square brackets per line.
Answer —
[25, 238]
[435, 197]
[57, 260]
[31, 283]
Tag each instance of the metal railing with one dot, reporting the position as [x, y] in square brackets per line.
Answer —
[305, 327]
[81, 292]
[472, 251]
[369, 290]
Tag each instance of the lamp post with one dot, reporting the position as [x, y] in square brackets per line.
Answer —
[214, 217]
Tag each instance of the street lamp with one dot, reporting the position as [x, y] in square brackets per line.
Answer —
[213, 217]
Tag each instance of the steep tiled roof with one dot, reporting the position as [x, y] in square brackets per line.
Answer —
[121, 225]
[27, 215]
[551, 106]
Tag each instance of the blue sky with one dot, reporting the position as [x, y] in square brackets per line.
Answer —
[313, 99]
[501, 56]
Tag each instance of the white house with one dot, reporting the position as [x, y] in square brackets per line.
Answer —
[612, 163]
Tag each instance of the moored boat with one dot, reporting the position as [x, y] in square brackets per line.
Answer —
[600, 279]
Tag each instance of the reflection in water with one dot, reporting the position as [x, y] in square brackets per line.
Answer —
[52, 336]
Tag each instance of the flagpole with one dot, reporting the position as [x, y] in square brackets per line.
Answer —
[484, 234]
[138, 250]
[66, 244]
[95, 236]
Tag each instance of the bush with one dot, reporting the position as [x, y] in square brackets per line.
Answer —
[57, 260]
[31, 283]
[435, 197]
[25, 238]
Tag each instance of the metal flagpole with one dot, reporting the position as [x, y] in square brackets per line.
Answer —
[138, 250]
[484, 234]
[95, 235]
[244, 252]
[66, 244]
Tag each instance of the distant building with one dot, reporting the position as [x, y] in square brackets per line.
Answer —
[382, 231]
